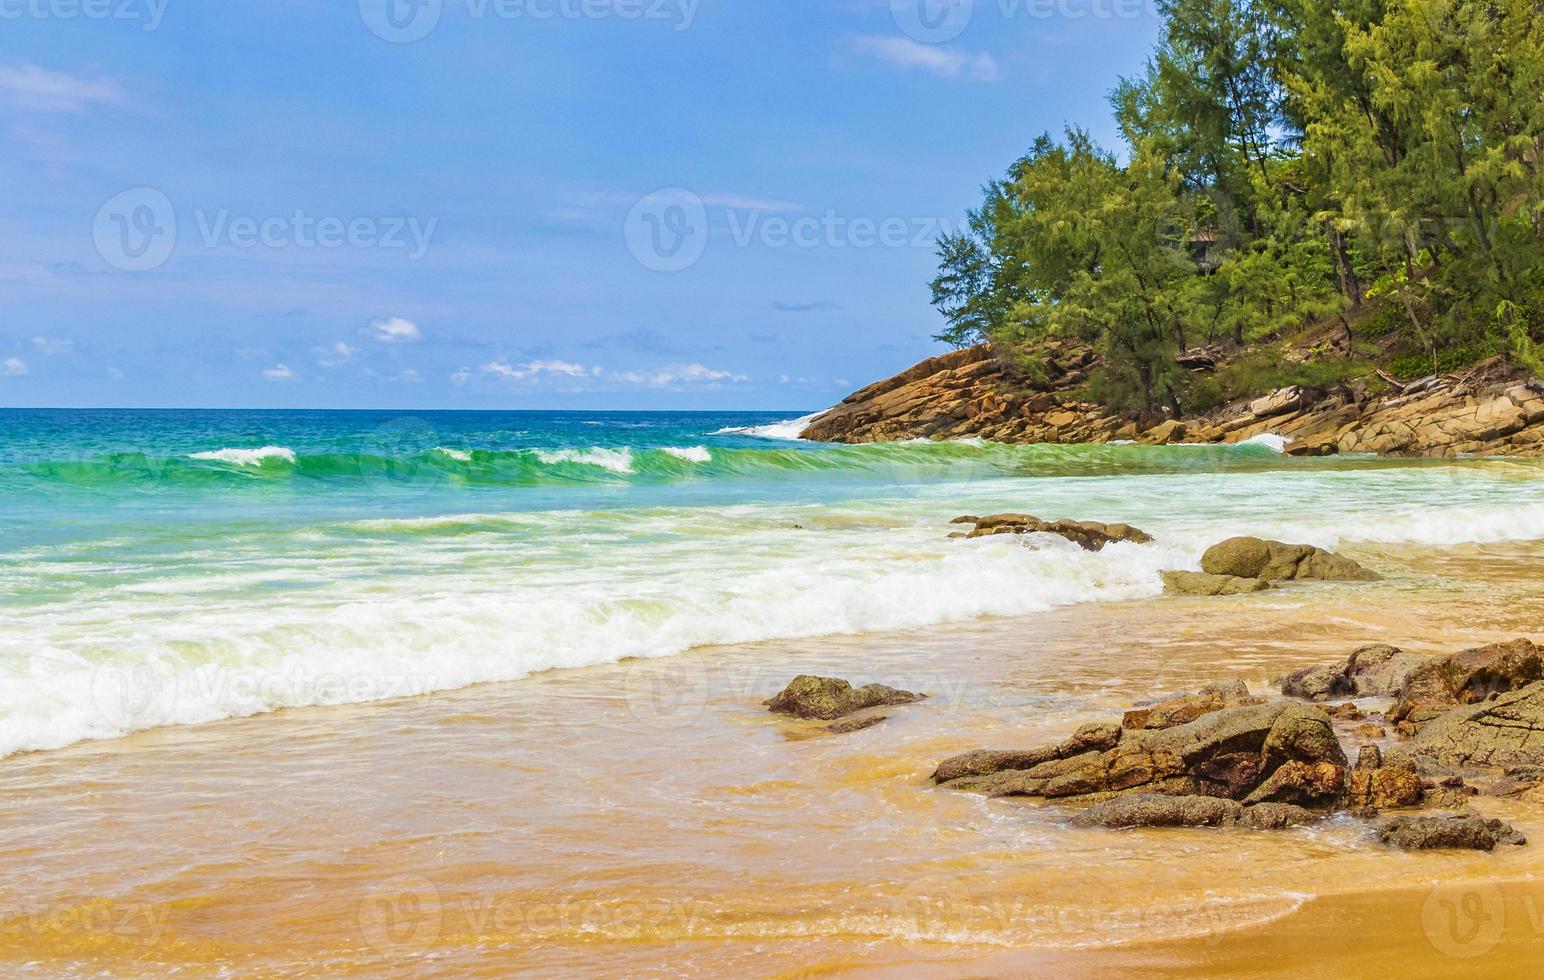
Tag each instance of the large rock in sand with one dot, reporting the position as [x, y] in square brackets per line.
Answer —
[829, 698]
[1088, 535]
[1202, 584]
[1374, 670]
[1470, 676]
[1152, 810]
[1421, 833]
[1506, 733]
[1228, 753]
[1246, 557]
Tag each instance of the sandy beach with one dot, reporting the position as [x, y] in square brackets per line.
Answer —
[649, 818]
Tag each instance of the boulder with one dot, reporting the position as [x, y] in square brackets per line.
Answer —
[1151, 810]
[1245, 557]
[1089, 535]
[1505, 733]
[1202, 584]
[849, 725]
[1317, 683]
[1183, 708]
[1373, 786]
[1469, 677]
[1275, 816]
[830, 698]
[1370, 671]
[1154, 810]
[1421, 833]
[985, 762]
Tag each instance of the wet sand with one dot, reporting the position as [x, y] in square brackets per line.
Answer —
[650, 819]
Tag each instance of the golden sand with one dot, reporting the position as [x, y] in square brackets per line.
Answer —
[651, 819]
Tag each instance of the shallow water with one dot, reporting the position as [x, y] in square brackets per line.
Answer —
[647, 816]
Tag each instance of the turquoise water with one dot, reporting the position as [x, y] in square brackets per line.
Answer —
[178, 567]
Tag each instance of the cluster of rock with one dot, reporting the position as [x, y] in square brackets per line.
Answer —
[1236, 566]
[1243, 564]
[1470, 722]
[1089, 535]
[1220, 757]
[978, 392]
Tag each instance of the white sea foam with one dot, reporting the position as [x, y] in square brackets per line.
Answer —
[615, 460]
[459, 455]
[788, 429]
[463, 611]
[1272, 441]
[247, 457]
[692, 454]
[404, 604]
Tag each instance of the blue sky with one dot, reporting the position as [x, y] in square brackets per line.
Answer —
[507, 203]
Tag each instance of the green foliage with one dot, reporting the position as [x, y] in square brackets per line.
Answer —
[1290, 162]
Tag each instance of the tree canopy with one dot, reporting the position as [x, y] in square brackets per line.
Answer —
[1286, 162]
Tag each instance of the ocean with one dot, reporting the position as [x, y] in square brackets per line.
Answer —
[166, 568]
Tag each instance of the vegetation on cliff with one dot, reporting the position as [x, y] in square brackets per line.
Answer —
[1366, 168]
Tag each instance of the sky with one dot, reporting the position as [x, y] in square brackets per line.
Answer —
[508, 204]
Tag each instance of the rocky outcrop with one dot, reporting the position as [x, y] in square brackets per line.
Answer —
[829, 698]
[1372, 786]
[978, 392]
[1469, 677]
[1371, 671]
[1505, 733]
[1422, 833]
[1273, 561]
[984, 762]
[1423, 686]
[1280, 752]
[1150, 810]
[1088, 535]
[1181, 709]
[1202, 584]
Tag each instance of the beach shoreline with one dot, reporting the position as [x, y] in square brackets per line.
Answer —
[623, 816]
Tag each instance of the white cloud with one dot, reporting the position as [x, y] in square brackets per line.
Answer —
[27, 272]
[39, 89]
[335, 354]
[678, 375]
[115, 373]
[13, 367]
[53, 345]
[396, 330]
[740, 202]
[279, 372]
[534, 369]
[903, 52]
